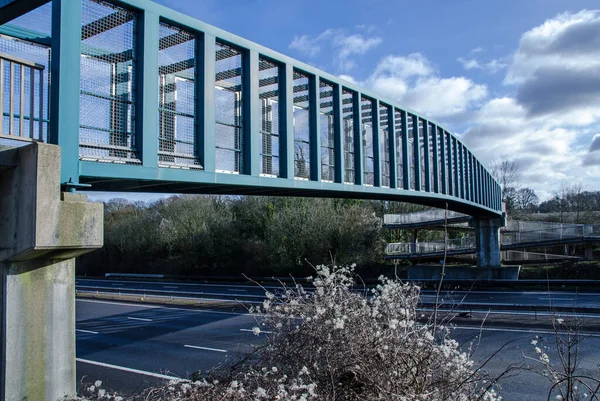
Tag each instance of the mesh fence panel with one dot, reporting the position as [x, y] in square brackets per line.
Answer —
[177, 140]
[327, 132]
[348, 121]
[384, 144]
[268, 90]
[108, 69]
[449, 164]
[422, 154]
[301, 125]
[439, 137]
[432, 162]
[367, 140]
[399, 138]
[411, 151]
[229, 120]
[29, 96]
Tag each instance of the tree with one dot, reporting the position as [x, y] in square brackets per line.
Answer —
[527, 200]
[508, 175]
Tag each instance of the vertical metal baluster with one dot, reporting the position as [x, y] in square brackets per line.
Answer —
[31, 100]
[21, 99]
[1, 94]
[41, 115]
[11, 104]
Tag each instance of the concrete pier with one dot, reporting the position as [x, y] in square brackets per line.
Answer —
[41, 232]
[487, 236]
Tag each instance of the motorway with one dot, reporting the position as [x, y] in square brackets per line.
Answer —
[132, 346]
[253, 293]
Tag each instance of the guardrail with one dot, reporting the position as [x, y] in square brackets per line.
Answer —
[249, 298]
[21, 114]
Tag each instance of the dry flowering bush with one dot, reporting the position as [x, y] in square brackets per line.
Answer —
[568, 381]
[334, 343]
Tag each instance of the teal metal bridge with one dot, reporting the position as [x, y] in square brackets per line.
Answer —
[143, 98]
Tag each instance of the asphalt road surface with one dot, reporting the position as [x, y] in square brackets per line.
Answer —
[255, 293]
[132, 346]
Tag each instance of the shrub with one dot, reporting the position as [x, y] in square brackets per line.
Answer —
[332, 342]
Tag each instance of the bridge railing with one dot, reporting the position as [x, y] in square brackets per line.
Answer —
[421, 217]
[403, 248]
[21, 99]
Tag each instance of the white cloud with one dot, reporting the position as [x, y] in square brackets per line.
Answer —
[413, 81]
[343, 45]
[492, 66]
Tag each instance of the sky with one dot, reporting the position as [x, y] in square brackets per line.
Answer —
[515, 79]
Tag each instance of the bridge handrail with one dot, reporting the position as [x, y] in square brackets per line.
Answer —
[15, 72]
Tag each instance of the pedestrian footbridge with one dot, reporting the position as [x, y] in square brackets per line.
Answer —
[516, 235]
[143, 98]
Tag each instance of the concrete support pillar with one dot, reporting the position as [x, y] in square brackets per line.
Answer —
[487, 233]
[589, 252]
[413, 240]
[41, 232]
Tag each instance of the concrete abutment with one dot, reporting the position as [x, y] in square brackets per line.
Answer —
[41, 232]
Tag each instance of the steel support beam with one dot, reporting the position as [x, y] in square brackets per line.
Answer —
[356, 126]
[405, 159]
[436, 159]
[146, 128]
[426, 154]
[314, 134]
[376, 143]
[392, 145]
[286, 136]
[205, 101]
[252, 114]
[65, 78]
[338, 127]
[417, 152]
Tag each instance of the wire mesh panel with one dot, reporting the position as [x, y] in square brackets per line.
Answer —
[108, 69]
[433, 167]
[384, 144]
[229, 97]
[467, 157]
[269, 105]
[177, 140]
[348, 121]
[410, 122]
[326, 131]
[398, 131]
[449, 164]
[24, 84]
[439, 137]
[422, 153]
[366, 130]
[301, 125]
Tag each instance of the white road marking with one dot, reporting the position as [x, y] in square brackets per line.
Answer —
[86, 331]
[262, 331]
[139, 318]
[205, 348]
[123, 368]
[162, 307]
[556, 299]
[539, 331]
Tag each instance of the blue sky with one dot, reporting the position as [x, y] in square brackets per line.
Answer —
[512, 78]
